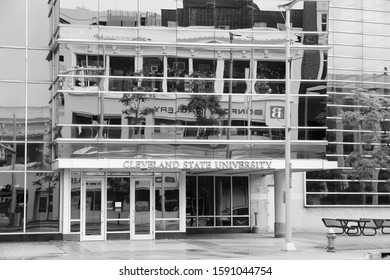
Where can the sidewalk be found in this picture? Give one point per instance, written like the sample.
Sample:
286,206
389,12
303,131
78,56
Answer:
309,246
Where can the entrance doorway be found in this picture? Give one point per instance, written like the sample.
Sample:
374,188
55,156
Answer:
92,209
142,208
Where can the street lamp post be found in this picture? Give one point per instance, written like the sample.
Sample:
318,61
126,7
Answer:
289,245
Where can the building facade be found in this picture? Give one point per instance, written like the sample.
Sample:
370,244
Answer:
138,122
358,59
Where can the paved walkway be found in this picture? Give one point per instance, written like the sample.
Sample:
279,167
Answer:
309,246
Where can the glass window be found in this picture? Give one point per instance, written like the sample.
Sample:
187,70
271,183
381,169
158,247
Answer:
347,199
205,196
38,156
38,66
153,66
118,225
38,113
13,13
231,201
191,206
222,195
89,126
11,202
12,155
40,21
75,195
167,225
240,195
16,58
75,226
118,202
270,70
121,66
43,202
167,202
88,65
240,71
178,68
335,188
167,195
202,70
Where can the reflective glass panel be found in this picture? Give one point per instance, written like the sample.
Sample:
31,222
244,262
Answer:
10,11
93,207
167,225
16,58
38,113
240,196
205,196
118,198
142,207
11,202
75,195
347,199
12,155
43,204
75,226
223,195
118,225
167,195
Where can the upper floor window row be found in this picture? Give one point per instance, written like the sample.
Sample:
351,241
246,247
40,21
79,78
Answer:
173,74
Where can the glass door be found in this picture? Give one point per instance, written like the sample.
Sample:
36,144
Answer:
92,210
142,208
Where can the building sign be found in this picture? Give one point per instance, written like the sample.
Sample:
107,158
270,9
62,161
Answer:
198,164
118,206
277,112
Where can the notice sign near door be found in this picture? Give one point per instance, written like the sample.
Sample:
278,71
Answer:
118,206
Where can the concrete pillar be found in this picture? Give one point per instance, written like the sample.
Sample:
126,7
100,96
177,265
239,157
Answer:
66,201
258,202
183,202
279,225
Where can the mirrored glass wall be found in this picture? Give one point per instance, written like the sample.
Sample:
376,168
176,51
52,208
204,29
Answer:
209,72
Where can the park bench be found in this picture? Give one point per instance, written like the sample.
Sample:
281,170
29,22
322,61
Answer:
334,223
352,227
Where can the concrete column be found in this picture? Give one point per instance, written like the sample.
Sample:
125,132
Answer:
279,225
190,66
165,64
183,200
66,202
258,202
